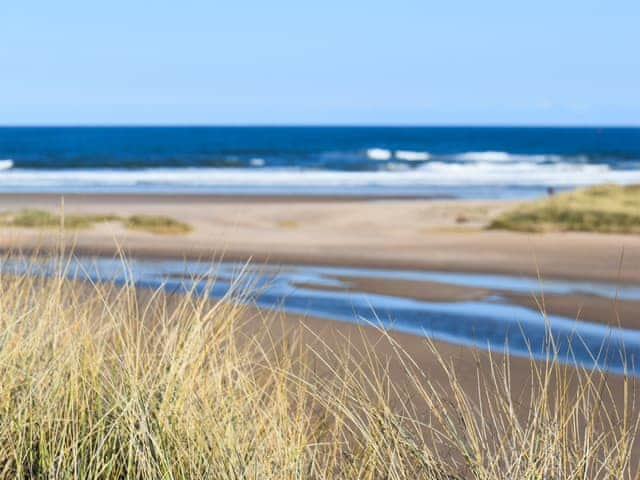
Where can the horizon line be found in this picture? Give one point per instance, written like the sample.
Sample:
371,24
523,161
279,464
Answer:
319,125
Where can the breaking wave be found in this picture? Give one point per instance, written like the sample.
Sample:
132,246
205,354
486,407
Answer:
6,164
379,154
489,156
411,156
505,157
435,173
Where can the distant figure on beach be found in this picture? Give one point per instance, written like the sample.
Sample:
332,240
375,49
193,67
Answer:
551,191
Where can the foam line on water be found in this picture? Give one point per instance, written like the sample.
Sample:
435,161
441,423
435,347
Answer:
432,173
411,156
504,157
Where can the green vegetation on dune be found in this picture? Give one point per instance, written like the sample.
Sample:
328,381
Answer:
603,208
157,224
35,218
30,218
85,221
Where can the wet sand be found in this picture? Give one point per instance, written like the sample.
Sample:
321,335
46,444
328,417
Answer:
396,356
592,308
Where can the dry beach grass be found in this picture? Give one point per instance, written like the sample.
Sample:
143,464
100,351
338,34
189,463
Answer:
107,381
603,208
43,219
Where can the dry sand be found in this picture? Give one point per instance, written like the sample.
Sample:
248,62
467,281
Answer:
385,233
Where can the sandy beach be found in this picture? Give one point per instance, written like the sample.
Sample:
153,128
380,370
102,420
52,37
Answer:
415,233
388,233
395,233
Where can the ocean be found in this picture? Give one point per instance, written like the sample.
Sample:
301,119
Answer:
411,161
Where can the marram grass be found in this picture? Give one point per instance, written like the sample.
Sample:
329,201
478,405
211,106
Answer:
159,224
105,381
602,208
36,218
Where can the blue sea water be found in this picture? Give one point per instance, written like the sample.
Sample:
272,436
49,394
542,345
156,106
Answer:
449,161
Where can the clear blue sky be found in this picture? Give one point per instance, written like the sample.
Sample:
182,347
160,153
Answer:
323,62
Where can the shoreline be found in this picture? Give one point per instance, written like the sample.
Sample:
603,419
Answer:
293,259
199,197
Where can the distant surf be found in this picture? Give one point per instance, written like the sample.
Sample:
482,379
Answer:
504,157
408,155
412,156
381,154
462,162
6,164
429,176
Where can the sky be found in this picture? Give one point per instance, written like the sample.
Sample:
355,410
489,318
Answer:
401,62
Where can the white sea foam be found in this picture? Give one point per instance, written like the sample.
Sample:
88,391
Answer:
397,167
502,157
436,173
411,156
6,164
489,156
257,162
382,154
379,154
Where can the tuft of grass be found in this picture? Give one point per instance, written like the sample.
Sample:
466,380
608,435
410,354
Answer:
157,224
32,218
35,218
104,381
86,221
603,208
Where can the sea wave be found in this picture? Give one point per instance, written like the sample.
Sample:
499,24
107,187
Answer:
412,156
492,156
257,162
6,164
433,173
379,154
505,157
397,167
